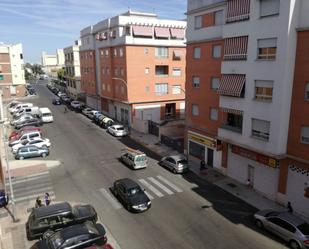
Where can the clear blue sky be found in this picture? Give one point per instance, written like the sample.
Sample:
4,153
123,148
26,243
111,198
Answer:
45,25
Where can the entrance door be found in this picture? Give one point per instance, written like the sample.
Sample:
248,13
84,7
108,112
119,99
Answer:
170,110
210,157
251,175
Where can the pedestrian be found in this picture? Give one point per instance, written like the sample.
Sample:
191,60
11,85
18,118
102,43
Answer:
290,209
47,199
38,202
202,165
65,109
249,185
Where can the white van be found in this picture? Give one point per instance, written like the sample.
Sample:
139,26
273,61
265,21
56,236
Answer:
34,110
46,115
20,106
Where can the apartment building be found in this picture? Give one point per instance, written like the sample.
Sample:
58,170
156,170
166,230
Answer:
51,63
12,78
72,70
246,93
133,68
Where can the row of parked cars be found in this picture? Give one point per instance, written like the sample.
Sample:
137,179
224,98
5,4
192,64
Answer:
27,139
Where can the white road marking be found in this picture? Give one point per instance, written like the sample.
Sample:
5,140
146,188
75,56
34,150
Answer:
149,195
150,187
110,198
30,179
167,182
169,192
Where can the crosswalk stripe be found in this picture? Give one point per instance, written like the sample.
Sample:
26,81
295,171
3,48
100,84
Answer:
28,179
169,192
111,199
167,182
149,195
40,191
32,184
30,176
150,187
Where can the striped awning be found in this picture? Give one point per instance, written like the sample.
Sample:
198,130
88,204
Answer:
232,111
177,33
235,48
162,32
232,84
237,10
143,31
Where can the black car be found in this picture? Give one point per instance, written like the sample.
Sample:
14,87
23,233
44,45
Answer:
31,91
131,195
80,108
56,101
57,216
77,236
31,122
4,199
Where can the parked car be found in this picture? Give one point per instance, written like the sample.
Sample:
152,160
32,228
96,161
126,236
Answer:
75,104
46,115
31,110
26,136
80,108
19,106
31,90
56,101
176,163
134,158
59,94
106,122
4,198
38,142
131,195
92,114
86,110
13,103
63,214
29,151
118,130
289,227
97,117
31,122
76,236
65,99
16,134
21,119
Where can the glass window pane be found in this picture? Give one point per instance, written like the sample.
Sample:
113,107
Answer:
216,51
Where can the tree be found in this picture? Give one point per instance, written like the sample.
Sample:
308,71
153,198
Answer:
61,74
37,69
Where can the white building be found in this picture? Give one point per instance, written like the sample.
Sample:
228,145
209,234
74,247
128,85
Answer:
53,62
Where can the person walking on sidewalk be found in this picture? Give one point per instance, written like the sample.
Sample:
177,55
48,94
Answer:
289,207
202,165
38,202
65,109
47,199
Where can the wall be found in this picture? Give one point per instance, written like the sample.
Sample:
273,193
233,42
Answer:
88,79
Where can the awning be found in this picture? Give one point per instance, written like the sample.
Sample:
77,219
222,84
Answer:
237,10
177,54
235,48
162,32
232,84
232,111
143,31
178,33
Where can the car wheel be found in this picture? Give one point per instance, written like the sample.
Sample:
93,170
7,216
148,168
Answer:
21,158
44,154
174,171
259,224
294,244
128,207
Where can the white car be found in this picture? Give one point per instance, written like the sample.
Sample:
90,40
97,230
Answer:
59,94
91,114
38,142
118,130
86,110
75,104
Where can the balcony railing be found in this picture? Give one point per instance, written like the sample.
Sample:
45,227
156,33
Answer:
231,128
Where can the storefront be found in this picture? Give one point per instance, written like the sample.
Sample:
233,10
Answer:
201,147
261,170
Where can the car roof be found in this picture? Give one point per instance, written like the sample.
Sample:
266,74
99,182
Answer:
293,219
76,230
128,183
52,209
117,126
177,157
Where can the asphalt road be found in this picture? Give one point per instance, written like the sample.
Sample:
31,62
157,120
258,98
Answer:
193,214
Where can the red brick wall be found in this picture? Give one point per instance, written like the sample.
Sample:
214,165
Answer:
88,79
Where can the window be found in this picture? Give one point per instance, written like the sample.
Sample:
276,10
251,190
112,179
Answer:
122,90
103,86
233,122
215,83
106,52
216,51
21,56
213,114
161,88
196,81
147,70
197,53
115,52
103,70
267,49
269,7
121,52
161,52
107,70
108,88
306,92
176,89
162,70
101,52
263,90
195,110
121,71
176,71
128,30
283,224
260,129
219,17
198,22
1,77
305,135
116,71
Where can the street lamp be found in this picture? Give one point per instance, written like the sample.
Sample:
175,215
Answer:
123,81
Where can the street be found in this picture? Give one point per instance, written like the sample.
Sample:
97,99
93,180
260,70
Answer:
186,211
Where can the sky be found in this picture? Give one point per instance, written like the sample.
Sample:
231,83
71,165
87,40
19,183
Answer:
45,25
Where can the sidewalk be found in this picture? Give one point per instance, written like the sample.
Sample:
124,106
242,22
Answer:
228,184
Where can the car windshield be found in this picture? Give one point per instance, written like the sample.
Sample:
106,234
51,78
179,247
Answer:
134,191
55,241
141,158
119,128
304,228
183,161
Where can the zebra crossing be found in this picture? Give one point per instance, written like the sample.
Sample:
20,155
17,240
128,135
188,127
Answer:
155,187
28,188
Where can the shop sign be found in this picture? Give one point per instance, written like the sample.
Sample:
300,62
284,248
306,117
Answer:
210,142
255,156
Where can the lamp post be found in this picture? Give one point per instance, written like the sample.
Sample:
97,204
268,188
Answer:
123,81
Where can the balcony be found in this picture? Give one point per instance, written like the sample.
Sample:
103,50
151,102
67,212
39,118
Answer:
233,120
162,71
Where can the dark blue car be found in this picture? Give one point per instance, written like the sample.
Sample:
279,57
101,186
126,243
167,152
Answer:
4,199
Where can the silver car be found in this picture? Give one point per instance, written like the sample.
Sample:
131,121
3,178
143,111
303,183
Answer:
289,227
177,163
118,130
